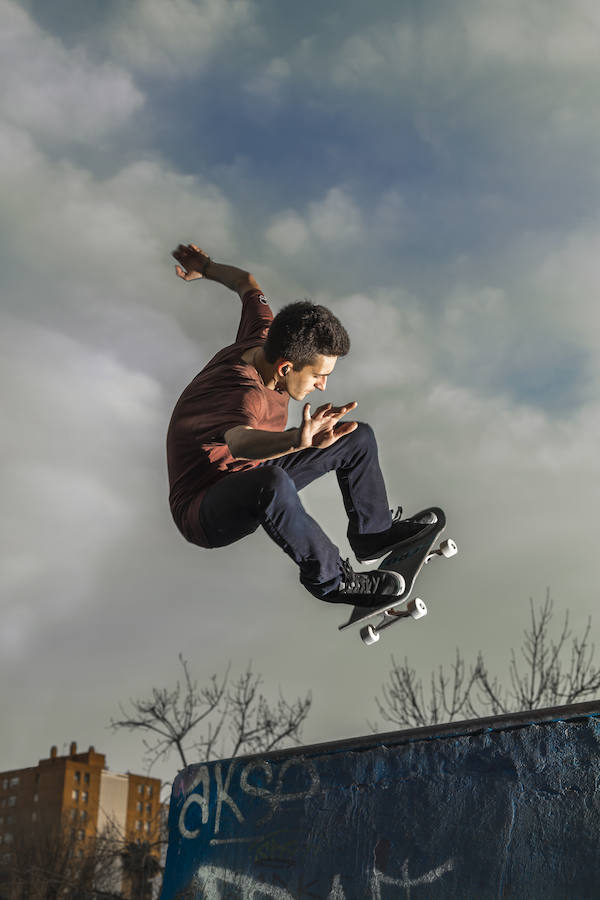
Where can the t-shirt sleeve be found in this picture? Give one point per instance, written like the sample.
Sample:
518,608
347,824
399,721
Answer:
256,317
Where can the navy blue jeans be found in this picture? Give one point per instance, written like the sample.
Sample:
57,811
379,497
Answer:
268,495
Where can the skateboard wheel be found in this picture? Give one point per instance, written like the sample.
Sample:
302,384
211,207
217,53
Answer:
369,635
448,548
417,608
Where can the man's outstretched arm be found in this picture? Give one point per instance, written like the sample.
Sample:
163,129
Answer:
319,431
195,263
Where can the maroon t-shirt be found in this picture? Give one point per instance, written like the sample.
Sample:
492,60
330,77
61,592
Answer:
227,392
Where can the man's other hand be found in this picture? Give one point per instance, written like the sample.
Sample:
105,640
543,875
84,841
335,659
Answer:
193,261
324,427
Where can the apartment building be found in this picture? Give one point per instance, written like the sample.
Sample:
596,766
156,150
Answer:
78,793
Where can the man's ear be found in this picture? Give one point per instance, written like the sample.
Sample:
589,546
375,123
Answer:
283,367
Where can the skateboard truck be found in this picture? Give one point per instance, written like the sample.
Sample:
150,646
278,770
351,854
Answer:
415,609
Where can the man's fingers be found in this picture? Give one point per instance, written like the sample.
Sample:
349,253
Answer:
306,412
339,411
345,428
187,276
322,410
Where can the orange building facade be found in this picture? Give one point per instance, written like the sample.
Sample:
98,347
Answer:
78,793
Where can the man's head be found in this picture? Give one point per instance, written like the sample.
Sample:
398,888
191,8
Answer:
303,343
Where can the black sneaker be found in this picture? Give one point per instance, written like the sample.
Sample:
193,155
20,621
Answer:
369,589
368,548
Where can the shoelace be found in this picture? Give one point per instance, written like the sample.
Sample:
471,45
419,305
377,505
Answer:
359,582
396,516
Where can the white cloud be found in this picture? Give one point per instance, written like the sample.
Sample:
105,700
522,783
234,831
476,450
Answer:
78,434
56,93
336,219
182,36
539,33
288,232
268,85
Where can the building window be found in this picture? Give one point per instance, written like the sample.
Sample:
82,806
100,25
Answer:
149,790
80,835
8,838
84,796
5,784
140,807
10,820
14,781
36,798
147,827
148,809
34,817
77,777
72,814
1,820
83,815
86,778
75,796
139,825
12,801
140,788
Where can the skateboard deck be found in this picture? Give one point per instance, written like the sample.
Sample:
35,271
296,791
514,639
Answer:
407,559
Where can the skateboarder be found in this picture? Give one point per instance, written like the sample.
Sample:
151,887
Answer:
233,466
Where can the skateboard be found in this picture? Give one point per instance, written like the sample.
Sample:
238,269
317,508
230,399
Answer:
406,559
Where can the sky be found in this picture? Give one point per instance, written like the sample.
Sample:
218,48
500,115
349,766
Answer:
430,173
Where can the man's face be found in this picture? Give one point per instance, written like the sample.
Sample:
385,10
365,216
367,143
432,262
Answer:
300,382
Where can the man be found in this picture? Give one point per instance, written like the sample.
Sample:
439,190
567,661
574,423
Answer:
233,465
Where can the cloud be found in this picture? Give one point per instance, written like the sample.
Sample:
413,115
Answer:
549,35
78,429
288,232
181,37
58,94
267,86
335,221
476,365
91,254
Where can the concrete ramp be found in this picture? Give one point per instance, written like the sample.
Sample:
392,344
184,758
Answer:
505,807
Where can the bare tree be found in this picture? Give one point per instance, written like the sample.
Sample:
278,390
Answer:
544,673
140,867
222,718
46,863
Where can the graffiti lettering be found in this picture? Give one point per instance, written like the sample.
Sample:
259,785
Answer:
273,798
215,882
251,789
378,878
223,796
279,796
210,880
196,799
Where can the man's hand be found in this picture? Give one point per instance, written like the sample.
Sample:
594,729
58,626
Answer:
324,428
193,261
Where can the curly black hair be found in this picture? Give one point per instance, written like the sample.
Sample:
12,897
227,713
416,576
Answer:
303,330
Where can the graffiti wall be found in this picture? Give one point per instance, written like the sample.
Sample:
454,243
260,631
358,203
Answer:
504,807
